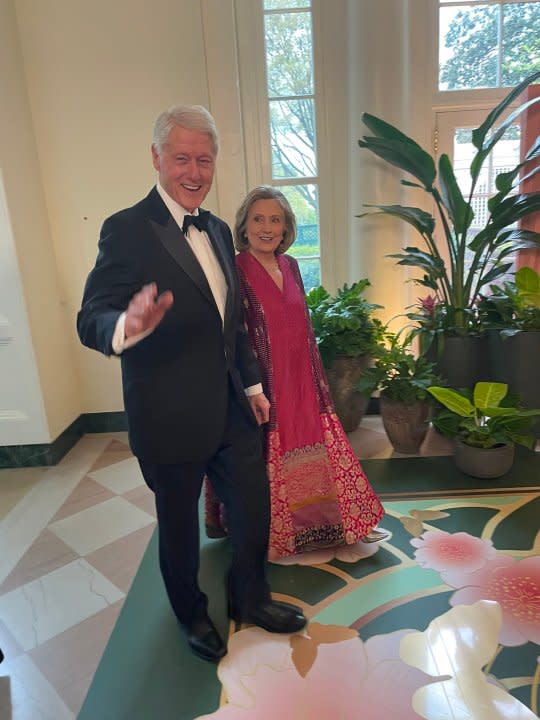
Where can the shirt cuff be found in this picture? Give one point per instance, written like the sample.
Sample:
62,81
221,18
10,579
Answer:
254,389
120,342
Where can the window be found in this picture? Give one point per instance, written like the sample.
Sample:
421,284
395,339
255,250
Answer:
290,97
487,44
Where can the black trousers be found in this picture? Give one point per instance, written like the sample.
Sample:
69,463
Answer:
238,475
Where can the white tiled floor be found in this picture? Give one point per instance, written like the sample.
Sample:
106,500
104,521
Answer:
100,525
45,607
120,477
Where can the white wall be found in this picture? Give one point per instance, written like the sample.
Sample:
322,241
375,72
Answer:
39,391
388,76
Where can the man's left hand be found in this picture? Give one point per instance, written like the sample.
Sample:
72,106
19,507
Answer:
261,407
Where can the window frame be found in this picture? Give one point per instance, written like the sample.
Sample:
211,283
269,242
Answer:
328,71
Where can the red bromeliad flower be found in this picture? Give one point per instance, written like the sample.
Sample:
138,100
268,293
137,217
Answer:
428,305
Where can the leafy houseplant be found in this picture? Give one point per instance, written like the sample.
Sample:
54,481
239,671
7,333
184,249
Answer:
344,324
489,422
403,381
515,306
347,335
476,257
397,373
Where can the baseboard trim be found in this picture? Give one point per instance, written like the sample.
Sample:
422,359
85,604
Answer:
14,456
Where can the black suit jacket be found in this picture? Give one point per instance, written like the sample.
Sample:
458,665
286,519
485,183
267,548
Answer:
176,380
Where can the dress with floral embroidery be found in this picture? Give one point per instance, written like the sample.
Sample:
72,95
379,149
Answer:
319,493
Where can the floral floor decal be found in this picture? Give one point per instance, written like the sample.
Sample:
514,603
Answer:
441,622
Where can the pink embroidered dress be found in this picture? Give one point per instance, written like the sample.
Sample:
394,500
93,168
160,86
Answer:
319,493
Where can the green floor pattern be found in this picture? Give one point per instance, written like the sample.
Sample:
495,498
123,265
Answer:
147,673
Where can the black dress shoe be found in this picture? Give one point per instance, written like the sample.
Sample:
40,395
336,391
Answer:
272,616
204,640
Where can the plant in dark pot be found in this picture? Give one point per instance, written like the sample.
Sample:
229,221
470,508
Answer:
485,427
460,254
511,314
403,380
347,334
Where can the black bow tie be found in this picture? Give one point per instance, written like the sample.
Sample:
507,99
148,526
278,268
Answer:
200,221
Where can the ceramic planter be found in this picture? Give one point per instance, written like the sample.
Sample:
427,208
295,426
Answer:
405,425
515,362
483,462
343,374
463,361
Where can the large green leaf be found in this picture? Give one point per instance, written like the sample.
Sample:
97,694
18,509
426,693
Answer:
514,208
423,259
459,211
407,157
452,400
479,135
495,273
420,219
489,394
527,280
493,139
382,129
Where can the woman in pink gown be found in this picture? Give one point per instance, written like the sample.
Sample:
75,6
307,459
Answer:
319,493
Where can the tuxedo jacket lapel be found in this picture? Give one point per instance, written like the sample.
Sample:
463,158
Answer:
224,260
176,245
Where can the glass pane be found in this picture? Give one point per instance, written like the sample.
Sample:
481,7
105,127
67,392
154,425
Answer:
289,54
521,41
284,4
305,204
311,273
468,47
304,200
292,137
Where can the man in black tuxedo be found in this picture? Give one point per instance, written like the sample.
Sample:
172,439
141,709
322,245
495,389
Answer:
163,295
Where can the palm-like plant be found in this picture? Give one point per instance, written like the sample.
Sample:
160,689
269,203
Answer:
457,286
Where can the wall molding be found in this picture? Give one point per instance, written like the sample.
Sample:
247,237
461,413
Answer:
46,454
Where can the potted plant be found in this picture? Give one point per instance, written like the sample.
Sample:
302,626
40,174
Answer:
347,334
402,380
511,314
485,427
476,256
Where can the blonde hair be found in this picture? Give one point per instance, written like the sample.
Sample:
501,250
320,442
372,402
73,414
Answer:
264,192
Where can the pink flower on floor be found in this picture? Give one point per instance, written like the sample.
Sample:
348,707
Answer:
328,679
453,555
515,585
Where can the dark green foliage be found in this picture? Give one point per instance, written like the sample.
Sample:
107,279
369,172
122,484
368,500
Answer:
344,324
398,373
486,418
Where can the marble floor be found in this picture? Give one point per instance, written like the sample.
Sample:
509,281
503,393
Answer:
72,537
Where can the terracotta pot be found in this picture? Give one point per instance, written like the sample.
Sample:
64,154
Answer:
405,425
343,375
483,462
